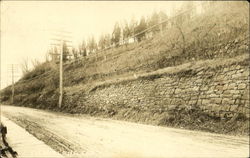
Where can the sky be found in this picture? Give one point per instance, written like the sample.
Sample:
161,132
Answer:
27,27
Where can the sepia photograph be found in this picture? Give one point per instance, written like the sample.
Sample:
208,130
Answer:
124,79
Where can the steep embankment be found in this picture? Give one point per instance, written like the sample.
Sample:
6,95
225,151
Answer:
194,76
210,95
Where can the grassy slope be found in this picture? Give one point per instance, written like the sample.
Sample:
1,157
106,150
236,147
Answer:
208,39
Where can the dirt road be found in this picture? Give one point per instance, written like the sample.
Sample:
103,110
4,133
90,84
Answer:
78,135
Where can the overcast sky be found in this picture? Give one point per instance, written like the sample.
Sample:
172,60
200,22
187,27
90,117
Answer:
27,26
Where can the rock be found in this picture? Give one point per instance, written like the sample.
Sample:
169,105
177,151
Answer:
216,100
238,76
233,107
213,95
242,86
205,101
228,101
232,86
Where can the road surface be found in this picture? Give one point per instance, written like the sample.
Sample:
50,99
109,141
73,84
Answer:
80,135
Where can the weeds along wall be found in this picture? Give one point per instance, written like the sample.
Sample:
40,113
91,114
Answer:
220,91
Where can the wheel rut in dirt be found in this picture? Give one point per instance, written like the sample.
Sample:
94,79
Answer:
55,141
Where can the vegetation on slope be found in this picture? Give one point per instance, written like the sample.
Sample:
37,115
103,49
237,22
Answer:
216,34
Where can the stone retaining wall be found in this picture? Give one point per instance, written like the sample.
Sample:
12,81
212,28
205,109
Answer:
221,91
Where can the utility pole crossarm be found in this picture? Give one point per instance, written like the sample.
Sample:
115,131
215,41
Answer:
60,40
59,44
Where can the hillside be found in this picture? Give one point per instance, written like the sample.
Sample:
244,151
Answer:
211,42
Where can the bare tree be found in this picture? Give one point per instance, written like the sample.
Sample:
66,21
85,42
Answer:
116,35
35,63
82,49
101,43
75,53
91,45
25,66
107,40
47,55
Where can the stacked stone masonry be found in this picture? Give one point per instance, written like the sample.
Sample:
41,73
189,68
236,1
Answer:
221,91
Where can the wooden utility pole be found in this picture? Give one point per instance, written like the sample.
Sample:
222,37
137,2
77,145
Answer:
61,40
12,71
13,88
61,76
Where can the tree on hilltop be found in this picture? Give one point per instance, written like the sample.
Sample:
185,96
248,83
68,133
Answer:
83,48
75,53
140,28
107,40
163,19
132,27
116,35
65,51
101,43
126,32
92,46
154,20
